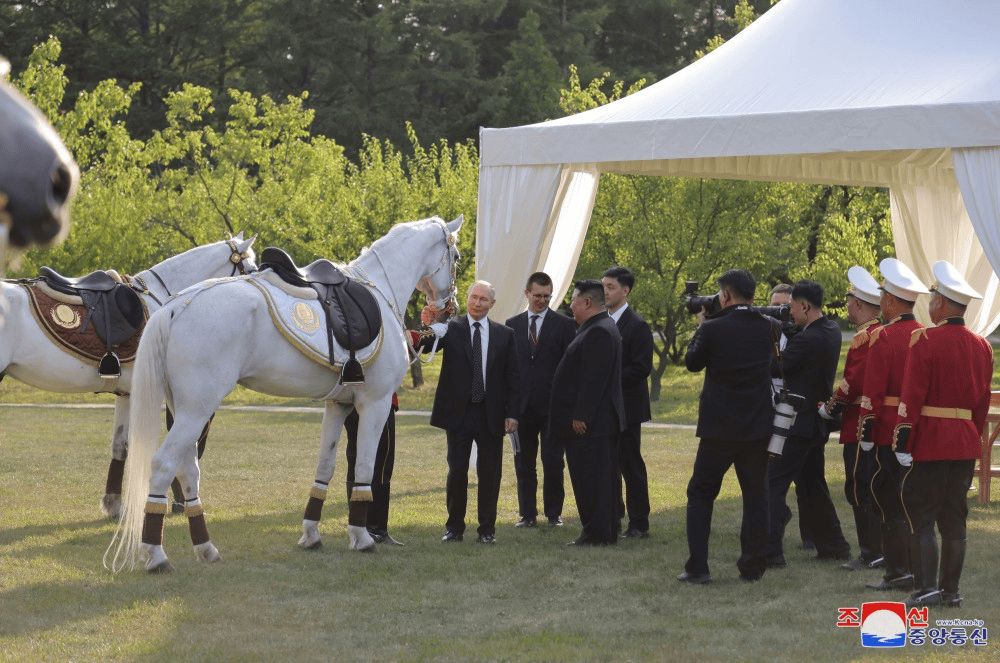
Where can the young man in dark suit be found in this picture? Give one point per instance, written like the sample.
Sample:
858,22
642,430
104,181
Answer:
735,420
541,337
587,413
637,364
809,365
477,398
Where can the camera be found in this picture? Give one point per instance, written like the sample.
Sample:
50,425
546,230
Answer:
786,408
696,302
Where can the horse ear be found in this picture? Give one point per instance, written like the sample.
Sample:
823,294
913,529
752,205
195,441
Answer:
456,224
238,238
247,243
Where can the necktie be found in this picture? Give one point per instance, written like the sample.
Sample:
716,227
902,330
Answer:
478,386
534,334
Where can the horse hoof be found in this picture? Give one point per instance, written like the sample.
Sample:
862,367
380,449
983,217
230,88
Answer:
207,552
162,567
316,545
368,549
111,505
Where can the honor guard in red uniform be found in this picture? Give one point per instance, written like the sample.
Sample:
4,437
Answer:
859,465
887,352
942,411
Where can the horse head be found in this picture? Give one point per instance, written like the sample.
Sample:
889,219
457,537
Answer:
439,285
38,177
243,256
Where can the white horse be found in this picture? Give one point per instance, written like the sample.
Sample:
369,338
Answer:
29,355
38,177
200,346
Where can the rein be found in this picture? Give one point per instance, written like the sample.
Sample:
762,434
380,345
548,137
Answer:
236,259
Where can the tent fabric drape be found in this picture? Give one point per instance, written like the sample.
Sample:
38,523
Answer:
541,215
977,171
930,223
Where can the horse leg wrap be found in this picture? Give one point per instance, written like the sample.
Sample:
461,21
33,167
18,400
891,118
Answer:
317,495
196,521
115,473
357,514
152,524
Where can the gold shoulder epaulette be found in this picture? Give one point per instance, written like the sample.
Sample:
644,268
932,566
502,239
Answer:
917,335
860,339
874,335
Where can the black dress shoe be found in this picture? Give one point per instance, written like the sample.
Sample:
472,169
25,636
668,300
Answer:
951,600
904,583
751,578
921,599
486,538
695,579
385,537
555,521
451,536
633,533
527,522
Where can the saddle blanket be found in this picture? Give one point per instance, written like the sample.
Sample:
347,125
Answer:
298,314
61,317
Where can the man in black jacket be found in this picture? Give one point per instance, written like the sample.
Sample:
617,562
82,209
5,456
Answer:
735,417
637,364
587,413
809,362
541,337
476,400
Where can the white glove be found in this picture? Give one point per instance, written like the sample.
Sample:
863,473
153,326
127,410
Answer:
867,446
904,459
823,413
440,329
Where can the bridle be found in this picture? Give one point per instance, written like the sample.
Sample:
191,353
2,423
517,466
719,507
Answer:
236,258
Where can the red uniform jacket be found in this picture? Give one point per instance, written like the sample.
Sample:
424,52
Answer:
847,398
884,379
948,367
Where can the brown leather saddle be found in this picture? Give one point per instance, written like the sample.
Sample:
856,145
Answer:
114,308
353,317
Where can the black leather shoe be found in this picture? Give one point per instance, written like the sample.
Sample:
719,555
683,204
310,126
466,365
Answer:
633,533
385,537
904,583
695,579
923,598
527,522
555,522
451,536
751,578
775,562
486,538
951,600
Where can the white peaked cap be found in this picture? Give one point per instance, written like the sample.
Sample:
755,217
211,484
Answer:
863,285
901,281
951,284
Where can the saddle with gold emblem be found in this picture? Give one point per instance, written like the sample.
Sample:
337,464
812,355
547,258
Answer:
350,310
98,317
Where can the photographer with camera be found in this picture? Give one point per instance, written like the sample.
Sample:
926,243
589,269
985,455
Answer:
734,347
809,366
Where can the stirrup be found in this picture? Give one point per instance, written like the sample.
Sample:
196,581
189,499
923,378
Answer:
352,375
110,368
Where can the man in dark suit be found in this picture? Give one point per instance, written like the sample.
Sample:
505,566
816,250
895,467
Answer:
477,398
587,413
809,366
735,419
541,337
637,364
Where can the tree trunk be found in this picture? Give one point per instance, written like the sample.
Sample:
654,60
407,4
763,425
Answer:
417,373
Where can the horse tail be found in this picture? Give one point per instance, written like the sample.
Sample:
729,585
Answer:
149,388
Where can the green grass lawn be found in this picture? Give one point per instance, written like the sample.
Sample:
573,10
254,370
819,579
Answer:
527,598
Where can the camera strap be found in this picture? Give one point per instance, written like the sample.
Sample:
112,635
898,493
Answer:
776,341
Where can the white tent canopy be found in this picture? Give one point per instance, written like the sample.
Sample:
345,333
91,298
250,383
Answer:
896,93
